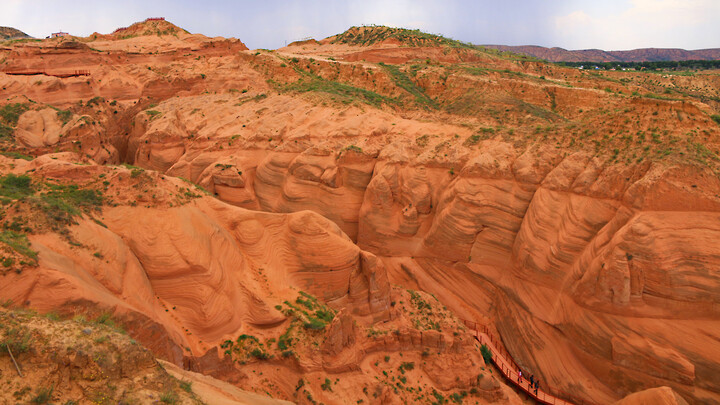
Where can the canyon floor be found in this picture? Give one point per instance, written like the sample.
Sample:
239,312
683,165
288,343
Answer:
185,220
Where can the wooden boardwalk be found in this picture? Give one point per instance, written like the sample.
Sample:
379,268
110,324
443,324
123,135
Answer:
509,369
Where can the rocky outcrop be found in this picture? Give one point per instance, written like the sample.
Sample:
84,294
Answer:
38,128
660,396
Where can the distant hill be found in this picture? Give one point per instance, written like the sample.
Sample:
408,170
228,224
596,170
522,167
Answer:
11,33
370,35
151,26
598,55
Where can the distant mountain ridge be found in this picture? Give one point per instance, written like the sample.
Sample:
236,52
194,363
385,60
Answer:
598,55
11,33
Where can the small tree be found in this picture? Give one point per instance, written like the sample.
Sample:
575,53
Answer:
486,353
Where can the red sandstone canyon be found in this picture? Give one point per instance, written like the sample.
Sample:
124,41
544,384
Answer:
357,219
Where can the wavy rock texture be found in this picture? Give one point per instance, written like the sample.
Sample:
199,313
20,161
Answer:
192,273
586,255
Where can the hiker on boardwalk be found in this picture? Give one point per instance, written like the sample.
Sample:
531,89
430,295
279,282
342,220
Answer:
519,377
537,385
532,379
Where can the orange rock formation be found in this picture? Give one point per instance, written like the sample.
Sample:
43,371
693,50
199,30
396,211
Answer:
575,213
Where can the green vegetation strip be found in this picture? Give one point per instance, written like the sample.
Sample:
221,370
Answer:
346,93
401,80
60,205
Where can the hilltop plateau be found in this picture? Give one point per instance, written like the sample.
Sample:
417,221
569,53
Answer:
316,223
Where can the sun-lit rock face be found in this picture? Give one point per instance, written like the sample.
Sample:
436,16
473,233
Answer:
660,396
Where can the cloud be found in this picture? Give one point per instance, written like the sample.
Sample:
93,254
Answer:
644,23
573,24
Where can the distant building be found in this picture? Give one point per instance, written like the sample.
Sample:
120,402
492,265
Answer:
58,34
155,19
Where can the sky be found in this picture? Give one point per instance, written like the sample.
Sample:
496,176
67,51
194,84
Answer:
569,24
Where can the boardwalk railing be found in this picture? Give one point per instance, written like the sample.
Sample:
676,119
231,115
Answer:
509,369
43,72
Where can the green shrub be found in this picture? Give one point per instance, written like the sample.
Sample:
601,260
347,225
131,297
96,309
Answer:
186,386
43,395
95,101
457,398
259,354
486,354
169,397
327,385
15,187
716,118
18,339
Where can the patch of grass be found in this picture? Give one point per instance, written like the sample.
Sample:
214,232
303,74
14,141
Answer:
17,338
285,341
422,140
153,114
62,203
186,386
659,97
10,113
345,93
6,132
354,148
106,319
314,324
16,187
64,116
17,155
18,242
169,397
